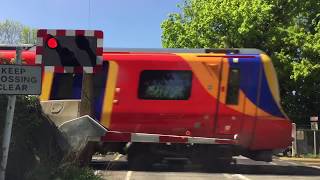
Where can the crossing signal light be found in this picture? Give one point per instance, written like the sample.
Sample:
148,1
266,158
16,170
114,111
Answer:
70,51
52,43
74,48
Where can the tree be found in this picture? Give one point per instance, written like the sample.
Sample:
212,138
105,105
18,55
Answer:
28,35
289,31
12,32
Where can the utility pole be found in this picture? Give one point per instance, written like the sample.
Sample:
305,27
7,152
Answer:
86,105
87,108
314,144
294,142
8,124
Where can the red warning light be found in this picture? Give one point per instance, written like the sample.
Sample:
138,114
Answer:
52,43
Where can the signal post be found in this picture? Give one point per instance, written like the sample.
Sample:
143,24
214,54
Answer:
74,51
314,128
13,88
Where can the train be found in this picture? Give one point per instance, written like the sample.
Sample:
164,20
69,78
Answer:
205,105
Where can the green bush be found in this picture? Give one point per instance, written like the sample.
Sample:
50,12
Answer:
309,155
34,152
66,172
75,173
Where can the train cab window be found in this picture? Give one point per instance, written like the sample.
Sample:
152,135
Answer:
165,84
233,87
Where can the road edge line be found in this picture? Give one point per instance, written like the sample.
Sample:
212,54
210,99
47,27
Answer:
128,176
240,176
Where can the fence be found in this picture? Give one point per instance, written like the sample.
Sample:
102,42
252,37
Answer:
307,142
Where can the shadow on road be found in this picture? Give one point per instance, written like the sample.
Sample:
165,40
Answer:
235,169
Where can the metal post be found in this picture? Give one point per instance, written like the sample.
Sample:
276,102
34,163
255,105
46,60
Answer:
86,105
8,125
294,142
86,108
314,144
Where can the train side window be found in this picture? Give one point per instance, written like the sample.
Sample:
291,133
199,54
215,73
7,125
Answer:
99,81
233,87
165,84
69,85
66,86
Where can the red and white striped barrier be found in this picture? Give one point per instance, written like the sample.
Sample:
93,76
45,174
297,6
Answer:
115,136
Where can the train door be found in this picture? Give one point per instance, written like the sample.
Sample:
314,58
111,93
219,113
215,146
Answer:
211,77
229,116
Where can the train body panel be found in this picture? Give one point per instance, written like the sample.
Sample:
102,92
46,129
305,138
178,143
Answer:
210,95
192,115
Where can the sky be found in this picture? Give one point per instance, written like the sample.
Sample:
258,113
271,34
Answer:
125,23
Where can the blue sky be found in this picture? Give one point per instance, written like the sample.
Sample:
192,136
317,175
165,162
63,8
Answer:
126,23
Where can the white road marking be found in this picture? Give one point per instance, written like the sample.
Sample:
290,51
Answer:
117,157
318,167
292,163
273,163
242,177
228,176
97,158
128,176
241,157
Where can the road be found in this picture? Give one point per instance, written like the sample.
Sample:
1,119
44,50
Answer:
114,167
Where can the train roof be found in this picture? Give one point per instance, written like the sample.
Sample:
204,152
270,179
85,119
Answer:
186,50
14,47
239,51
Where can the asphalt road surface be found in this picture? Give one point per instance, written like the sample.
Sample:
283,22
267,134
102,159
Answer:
114,167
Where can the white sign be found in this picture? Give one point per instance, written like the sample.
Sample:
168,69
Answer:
314,118
300,135
314,126
20,79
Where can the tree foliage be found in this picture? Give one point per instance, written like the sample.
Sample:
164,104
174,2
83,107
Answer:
12,32
28,35
287,30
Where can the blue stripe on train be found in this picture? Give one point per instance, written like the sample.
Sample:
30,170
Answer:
267,101
77,85
249,81
98,101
